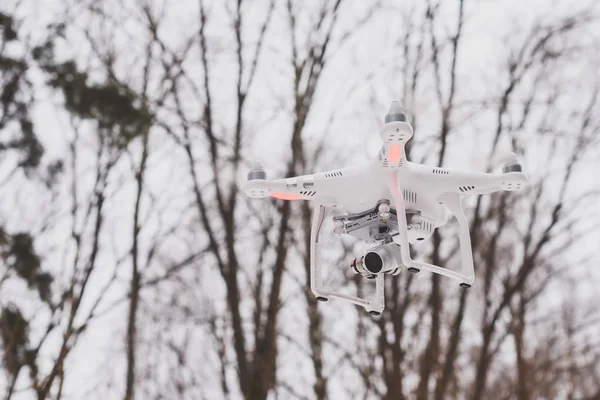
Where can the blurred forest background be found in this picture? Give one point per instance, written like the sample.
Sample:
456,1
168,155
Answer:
131,265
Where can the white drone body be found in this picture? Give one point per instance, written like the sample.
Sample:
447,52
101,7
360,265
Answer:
390,202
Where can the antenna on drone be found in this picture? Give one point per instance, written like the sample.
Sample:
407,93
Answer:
395,113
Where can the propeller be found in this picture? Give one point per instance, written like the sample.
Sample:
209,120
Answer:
257,171
510,162
396,113
507,158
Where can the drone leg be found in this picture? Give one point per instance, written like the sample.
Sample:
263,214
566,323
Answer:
379,303
402,238
452,201
316,282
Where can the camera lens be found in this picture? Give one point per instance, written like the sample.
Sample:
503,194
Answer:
373,262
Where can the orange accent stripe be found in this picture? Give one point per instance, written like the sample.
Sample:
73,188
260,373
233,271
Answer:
286,196
394,153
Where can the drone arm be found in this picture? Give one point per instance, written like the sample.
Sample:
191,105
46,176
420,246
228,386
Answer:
316,282
466,182
452,201
284,189
320,187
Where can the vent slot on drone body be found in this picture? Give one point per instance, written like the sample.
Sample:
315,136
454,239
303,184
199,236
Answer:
333,174
410,196
440,171
308,193
466,188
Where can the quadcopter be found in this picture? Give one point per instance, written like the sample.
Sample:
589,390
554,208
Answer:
390,202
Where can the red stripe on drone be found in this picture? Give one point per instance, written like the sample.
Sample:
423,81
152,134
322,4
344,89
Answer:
394,153
286,196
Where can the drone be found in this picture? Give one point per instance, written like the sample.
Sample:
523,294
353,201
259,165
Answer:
390,202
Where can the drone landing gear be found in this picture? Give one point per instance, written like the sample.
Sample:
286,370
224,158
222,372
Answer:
374,305
452,201
323,299
414,270
465,285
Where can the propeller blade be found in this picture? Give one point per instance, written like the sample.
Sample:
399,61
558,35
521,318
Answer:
507,158
256,171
